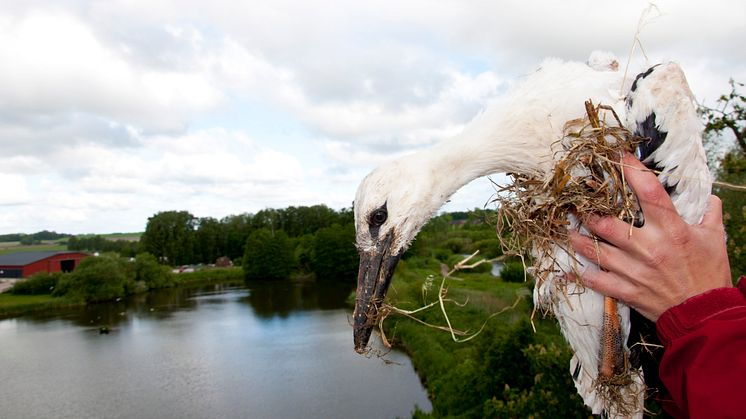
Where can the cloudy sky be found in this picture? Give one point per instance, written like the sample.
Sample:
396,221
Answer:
113,110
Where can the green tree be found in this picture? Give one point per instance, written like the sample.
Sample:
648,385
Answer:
513,272
209,239
334,255
96,243
170,237
728,116
303,252
154,275
28,240
236,229
268,218
268,255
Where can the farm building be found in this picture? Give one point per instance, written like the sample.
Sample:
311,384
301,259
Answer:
24,264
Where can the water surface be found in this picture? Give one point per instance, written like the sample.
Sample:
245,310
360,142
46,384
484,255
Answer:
273,350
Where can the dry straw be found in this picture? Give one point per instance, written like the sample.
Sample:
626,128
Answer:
457,335
588,179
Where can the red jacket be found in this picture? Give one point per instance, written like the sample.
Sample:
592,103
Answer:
704,363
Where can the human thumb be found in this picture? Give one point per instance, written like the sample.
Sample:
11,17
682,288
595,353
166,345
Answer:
713,216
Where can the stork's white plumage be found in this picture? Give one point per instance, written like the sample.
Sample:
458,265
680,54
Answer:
519,135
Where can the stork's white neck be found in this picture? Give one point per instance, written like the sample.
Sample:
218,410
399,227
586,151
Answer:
481,151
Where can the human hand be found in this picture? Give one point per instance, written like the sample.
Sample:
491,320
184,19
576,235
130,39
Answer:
661,264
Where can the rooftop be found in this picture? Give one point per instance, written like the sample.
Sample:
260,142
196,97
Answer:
25,258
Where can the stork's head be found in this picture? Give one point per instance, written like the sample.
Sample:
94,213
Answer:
392,203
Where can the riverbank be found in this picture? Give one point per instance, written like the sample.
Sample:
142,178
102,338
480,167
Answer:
17,305
508,370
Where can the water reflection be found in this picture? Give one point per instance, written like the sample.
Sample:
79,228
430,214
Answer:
274,349
269,299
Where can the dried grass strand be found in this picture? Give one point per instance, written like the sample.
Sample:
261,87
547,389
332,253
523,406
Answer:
458,336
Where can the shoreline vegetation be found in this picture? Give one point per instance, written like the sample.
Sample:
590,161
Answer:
506,371
14,305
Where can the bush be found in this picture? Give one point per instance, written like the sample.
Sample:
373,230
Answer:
334,255
512,272
547,396
100,278
442,255
151,273
37,284
267,255
510,376
458,245
489,248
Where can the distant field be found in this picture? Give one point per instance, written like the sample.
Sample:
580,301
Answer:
15,247
130,237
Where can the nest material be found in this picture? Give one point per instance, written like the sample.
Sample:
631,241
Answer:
587,179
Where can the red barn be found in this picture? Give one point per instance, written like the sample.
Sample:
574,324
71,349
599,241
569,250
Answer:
24,264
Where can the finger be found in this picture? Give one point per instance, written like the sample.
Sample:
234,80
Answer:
603,254
570,276
654,200
713,216
611,230
609,284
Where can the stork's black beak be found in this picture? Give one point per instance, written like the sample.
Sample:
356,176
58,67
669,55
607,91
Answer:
373,279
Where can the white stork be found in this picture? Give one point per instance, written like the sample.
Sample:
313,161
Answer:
519,135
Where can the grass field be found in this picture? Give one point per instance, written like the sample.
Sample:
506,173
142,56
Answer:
14,247
130,237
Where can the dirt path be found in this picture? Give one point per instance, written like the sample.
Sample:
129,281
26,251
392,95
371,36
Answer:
6,284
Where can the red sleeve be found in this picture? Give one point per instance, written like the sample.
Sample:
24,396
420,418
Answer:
704,363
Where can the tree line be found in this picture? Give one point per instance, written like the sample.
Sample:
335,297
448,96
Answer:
179,237
32,238
271,244
97,243
280,243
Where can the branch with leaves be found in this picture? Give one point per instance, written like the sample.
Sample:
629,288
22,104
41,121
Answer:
728,115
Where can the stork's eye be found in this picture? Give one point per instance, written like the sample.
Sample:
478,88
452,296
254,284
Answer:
378,217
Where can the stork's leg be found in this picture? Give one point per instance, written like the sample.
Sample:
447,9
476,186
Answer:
611,359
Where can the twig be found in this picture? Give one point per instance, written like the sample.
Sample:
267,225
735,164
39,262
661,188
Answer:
386,310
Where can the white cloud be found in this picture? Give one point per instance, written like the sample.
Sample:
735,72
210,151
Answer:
15,190
103,105
55,64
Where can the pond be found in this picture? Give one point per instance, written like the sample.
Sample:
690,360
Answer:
271,350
